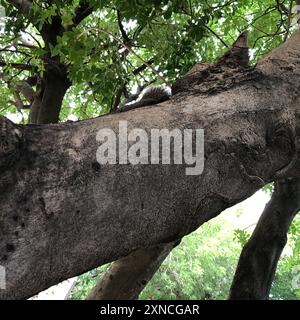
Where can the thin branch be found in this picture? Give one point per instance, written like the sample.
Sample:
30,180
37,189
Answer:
15,51
34,38
282,7
142,67
5,108
125,37
217,36
135,54
20,66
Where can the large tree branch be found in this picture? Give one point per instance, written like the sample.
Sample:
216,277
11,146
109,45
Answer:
67,214
259,258
128,276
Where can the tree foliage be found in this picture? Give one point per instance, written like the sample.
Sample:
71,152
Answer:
104,43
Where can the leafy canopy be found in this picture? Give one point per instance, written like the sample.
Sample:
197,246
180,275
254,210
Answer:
94,37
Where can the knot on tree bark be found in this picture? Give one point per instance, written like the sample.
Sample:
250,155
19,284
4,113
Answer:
10,140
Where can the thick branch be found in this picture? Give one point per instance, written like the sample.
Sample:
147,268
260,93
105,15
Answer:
67,214
128,276
259,258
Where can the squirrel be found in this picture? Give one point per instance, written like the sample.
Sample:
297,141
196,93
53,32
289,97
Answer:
200,74
150,96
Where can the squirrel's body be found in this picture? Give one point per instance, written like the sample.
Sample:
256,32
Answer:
204,77
150,96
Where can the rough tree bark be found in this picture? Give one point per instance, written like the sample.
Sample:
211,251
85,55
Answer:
61,213
125,276
259,258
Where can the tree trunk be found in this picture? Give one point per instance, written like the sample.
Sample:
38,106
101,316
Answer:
259,258
37,102
128,276
66,214
50,92
56,84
